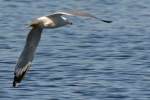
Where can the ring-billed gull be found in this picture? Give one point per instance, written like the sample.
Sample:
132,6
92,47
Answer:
51,21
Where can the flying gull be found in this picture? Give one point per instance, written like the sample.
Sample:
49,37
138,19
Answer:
51,21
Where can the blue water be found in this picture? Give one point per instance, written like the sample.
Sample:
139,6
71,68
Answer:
89,60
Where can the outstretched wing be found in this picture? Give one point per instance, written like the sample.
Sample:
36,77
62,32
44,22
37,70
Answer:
26,57
78,13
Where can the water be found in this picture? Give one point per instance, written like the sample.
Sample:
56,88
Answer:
89,60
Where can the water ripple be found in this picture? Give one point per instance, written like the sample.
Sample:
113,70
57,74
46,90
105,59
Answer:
89,60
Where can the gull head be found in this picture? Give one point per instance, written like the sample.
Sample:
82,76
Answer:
66,21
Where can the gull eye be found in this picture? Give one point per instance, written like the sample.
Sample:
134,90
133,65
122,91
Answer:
70,23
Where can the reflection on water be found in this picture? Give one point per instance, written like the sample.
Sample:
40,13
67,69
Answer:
89,60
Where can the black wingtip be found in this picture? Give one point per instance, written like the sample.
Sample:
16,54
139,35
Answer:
107,21
14,84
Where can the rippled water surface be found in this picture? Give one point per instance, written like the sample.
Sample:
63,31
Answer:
89,60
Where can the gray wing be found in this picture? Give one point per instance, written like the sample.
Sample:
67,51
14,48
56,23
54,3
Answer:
75,13
78,13
26,57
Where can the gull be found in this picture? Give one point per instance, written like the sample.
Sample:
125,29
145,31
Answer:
54,20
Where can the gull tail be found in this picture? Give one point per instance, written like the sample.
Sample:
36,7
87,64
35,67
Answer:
20,73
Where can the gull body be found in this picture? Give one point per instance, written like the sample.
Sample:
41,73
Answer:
51,21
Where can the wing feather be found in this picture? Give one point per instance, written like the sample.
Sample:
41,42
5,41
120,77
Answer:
78,13
26,57
74,13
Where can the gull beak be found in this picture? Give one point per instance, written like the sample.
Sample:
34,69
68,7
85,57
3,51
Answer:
69,23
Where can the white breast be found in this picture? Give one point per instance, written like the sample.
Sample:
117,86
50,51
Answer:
46,21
